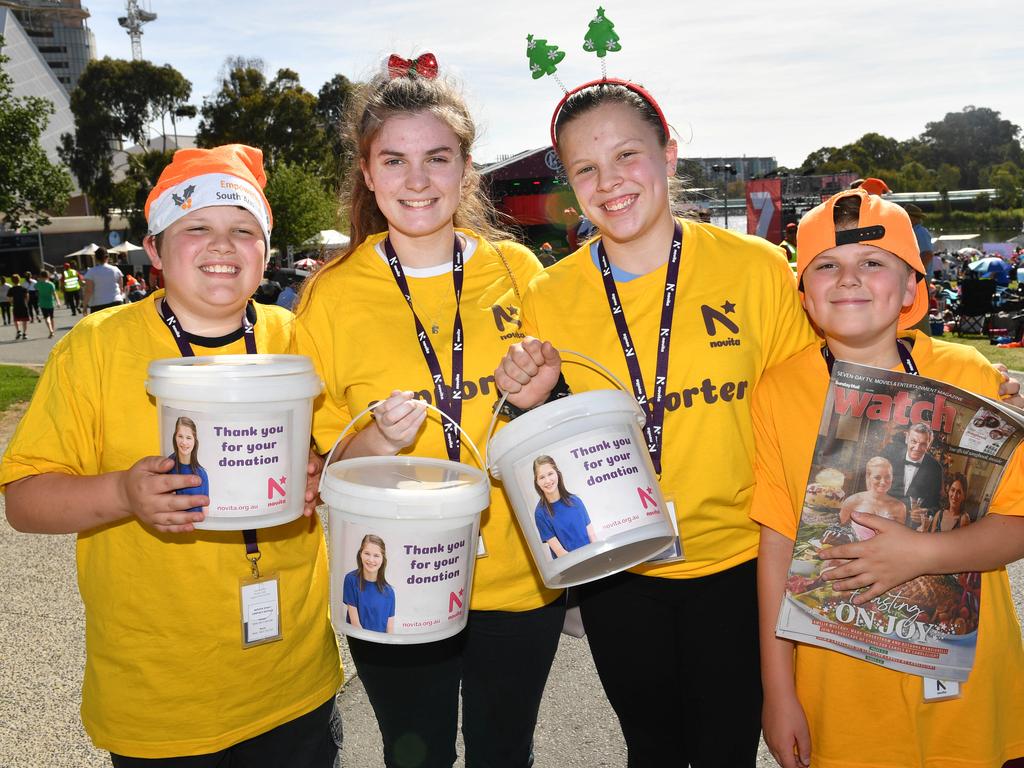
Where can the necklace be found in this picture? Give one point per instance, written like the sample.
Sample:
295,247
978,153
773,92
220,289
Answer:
435,316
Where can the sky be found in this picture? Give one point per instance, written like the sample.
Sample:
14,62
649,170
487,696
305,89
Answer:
749,77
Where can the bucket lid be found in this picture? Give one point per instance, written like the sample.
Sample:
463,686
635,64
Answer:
230,366
233,378
405,487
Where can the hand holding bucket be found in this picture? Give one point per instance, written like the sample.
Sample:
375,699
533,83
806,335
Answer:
603,511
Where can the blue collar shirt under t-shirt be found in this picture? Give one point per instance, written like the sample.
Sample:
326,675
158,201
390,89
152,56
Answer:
568,523
374,607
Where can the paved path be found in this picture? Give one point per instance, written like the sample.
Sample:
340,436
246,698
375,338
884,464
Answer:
42,636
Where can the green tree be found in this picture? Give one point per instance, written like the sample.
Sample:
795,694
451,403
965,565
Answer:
301,204
116,101
1007,179
279,117
140,176
332,105
972,139
30,185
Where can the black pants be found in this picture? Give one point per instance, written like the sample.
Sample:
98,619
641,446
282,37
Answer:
5,308
310,741
33,305
502,658
71,298
692,643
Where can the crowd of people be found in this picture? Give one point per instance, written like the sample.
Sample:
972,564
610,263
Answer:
430,295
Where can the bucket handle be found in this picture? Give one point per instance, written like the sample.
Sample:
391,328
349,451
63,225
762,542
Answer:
497,408
367,409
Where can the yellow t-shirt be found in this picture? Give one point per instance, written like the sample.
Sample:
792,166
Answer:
736,312
860,714
165,671
359,331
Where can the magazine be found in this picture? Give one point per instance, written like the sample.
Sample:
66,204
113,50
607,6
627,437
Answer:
917,451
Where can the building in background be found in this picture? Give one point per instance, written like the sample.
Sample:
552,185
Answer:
59,32
746,167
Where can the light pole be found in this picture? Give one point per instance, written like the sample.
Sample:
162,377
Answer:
727,170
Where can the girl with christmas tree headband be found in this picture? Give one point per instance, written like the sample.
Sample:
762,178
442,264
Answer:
427,287
691,315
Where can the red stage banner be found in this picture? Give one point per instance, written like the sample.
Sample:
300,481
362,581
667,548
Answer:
764,209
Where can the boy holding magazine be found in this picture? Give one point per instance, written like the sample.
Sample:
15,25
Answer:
862,284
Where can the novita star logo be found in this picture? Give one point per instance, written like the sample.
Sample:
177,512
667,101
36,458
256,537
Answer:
716,319
185,201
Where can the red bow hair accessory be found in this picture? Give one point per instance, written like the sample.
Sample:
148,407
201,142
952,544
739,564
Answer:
424,65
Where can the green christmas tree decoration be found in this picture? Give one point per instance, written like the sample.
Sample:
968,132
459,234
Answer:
601,38
543,58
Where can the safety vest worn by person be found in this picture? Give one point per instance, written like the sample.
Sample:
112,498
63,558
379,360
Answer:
790,250
71,280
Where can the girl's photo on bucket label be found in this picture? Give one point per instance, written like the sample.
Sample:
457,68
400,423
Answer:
368,598
185,453
563,523
398,581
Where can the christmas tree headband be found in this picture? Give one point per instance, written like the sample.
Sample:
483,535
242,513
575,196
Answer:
600,39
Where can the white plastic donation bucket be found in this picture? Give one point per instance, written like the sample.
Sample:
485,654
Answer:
418,521
610,513
242,423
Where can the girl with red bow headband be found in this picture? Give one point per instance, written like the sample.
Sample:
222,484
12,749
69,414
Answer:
426,265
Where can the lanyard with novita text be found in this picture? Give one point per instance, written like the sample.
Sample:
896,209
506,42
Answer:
252,549
654,409
905,357
449,399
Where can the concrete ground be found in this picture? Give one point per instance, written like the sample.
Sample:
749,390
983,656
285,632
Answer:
42,636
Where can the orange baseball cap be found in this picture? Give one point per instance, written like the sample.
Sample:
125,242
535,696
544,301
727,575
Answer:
872,186
231,174
882,224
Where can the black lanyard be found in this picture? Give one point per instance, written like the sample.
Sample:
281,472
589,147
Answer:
252,548
171,321
449,400
905,357
655,410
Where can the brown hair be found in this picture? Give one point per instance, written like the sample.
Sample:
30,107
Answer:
193,459
599,94
846,213
382,583
376,102
563,493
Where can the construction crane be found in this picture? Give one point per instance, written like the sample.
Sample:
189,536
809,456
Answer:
133,21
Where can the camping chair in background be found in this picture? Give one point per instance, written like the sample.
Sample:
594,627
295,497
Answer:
975,302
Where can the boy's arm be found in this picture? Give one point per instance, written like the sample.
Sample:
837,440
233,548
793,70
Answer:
55,502
783,720
897,554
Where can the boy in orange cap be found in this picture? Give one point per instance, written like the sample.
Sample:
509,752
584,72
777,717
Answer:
166,675
862,285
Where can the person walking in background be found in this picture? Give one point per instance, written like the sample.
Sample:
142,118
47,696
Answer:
71,287
33,298
46,293
19,307
5,300
104,284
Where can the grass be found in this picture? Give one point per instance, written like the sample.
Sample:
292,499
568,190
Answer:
16,385
1011,358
